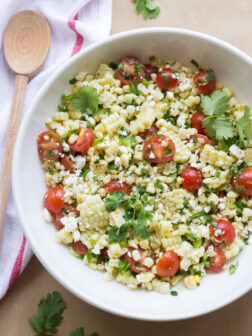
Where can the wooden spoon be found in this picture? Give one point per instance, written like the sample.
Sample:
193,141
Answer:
26,45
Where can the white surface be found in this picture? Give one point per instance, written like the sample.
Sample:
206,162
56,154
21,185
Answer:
233,68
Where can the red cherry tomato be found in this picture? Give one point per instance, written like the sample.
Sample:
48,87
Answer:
54,199
200,139
84,141
217,262
149,70
57,218
115,185
80,248
226,228
130,69
49,145
192,178
166,79
243,183
168,264
159,149
146,134
205,81
67,163
103,257
222,194
196,122
137,266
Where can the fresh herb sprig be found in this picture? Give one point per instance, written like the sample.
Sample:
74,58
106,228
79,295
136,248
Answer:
86,101
219,125
147,8
136,217
49,317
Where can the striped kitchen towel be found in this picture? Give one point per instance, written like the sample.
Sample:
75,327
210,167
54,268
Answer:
74,24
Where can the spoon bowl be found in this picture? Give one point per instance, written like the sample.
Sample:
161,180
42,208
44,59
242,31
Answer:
26,42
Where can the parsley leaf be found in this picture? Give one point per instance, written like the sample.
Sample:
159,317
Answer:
49,316
135,214
148,8
216,104
119,234
219,128
244,125
114,200
86,101
78,332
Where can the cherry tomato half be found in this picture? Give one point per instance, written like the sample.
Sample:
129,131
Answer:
217,262
196,122
80,248
192,178
57,218
115,185
159,149
149,70
243,183
166,79
200,140
137,266
226,228
84,141
67,163
130,69
49,145
54,199
144,135
205,81
168,264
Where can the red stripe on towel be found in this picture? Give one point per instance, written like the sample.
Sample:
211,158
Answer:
79,38
18,264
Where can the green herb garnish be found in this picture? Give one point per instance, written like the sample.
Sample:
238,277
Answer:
233,268
86,101
148,8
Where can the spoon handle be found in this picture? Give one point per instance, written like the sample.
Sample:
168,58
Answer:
14,121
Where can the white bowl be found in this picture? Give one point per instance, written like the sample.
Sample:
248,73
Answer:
233,68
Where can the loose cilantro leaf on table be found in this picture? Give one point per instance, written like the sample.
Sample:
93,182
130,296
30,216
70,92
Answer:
148,8
86,101
78,332
49,316
218,123
50,310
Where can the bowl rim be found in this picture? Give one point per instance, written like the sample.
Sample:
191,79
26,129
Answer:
99,304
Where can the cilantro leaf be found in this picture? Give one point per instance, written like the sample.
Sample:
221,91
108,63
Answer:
135,214
77,332
216,104
86,101
218,128
49,316
141,230
244,125
148,8
114,200
119,234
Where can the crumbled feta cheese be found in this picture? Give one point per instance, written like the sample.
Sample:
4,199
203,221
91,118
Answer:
70,223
